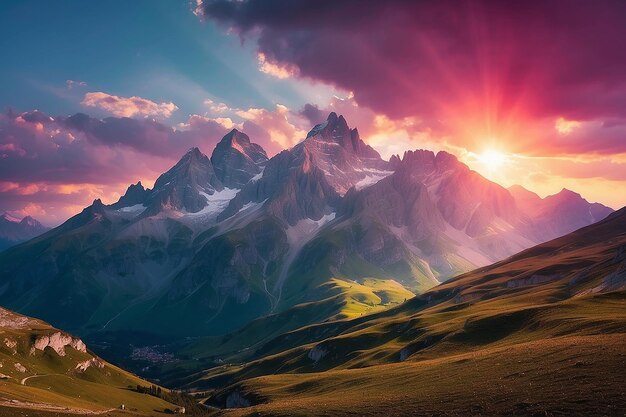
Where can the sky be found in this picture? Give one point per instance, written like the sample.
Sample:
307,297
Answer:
97,95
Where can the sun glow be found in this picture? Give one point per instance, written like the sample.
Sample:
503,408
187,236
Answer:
492,159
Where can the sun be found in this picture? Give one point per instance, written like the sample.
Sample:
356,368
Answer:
492,159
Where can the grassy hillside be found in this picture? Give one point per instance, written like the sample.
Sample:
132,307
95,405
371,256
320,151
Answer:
565,376
61,377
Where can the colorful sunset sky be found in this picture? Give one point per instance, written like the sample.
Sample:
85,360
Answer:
97,95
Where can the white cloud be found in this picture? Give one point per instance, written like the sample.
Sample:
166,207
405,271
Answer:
274,69
128,106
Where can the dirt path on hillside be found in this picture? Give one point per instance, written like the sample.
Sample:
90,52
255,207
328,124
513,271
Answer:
51,407
23,381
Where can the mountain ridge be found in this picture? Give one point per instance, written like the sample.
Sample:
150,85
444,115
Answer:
325,212
14,230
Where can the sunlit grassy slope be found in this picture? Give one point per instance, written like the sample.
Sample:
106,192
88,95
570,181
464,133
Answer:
565,376
367,296
40,382
541,332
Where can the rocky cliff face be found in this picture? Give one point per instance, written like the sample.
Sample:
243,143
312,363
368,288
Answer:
58,342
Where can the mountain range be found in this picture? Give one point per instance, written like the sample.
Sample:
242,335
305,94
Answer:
14,230
225,240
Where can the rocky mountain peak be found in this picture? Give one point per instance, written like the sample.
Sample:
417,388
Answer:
184,185
446,161
29,221
9,218
394,162
235,139
193,153
335,130
14,230
236,160
26,222
194,167
565,195
135,194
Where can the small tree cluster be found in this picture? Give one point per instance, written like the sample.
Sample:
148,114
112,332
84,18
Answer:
175,397
152,390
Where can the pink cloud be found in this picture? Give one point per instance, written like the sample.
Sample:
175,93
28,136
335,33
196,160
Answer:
278,70
129,106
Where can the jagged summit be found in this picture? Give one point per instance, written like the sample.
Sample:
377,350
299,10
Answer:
234,138
135,194
333,124
185,186
236,160
193,153
335,130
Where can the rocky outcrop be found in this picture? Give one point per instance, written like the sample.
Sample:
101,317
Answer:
58,342
14,321
93,362
11,344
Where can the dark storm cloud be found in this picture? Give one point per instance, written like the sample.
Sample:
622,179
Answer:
428,58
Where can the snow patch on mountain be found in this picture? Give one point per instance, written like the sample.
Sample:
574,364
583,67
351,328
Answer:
298,236
372,176
257,176
216,203
135,209
306,229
